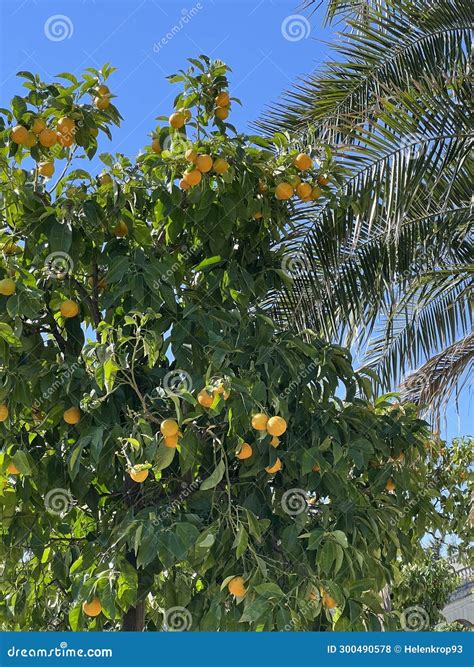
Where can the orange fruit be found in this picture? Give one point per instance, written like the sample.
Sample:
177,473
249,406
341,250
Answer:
328,601
7,287
245,452
275,441
222,113
316,468
316,193
275,467
220,389
191,155
192,177
177,120
31,140
259,421
38,125
102,103
390,485
3,412
169,427
66,125
303,162
171,441
105,179
236,586
12,469
72,416
69,308
323,179
186,113
138,475
303,190
155,145
221,165
47,138
121,229
258,215
204,399
46,168
19,134
222,100
65,140
204,163
284,191
102,90
183,185
92,608
276,426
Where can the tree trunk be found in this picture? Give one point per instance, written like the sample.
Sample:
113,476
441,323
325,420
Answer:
134,618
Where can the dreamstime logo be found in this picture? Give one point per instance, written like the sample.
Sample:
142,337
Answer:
177,619
294,502
295,263
58,265
175,504
176,144
295,27
415,619
186,16
58,501
177,380
58,27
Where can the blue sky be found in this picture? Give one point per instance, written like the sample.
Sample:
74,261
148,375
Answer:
267,43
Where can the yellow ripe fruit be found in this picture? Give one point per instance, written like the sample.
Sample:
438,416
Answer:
245,452
66,125
186,113
92,608
275,467
303,190
192,177
69,308
259,421
284,191
171,441
236,586
316,468
177,120
121,229
221,112
31,140
258,215
7,287
38,125
169,427
3,412
65,140
390,485
138,475
72,416
19,134
221,165
323,179
12,469
155,145
47,138
275,441
105,179
102,103
204,399
183,185
204,163
191,155
222,100
46,168
276,426
303,162
328,601
102,90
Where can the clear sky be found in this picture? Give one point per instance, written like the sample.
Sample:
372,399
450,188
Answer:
267,43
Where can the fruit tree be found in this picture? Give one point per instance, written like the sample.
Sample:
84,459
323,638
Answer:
171,456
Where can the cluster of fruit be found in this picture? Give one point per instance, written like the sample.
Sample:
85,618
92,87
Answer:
305,190
201,164
274,426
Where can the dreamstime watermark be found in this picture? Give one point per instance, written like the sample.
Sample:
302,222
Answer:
305,371
177,619
58,265
176,503
293,502
58,502
57,384
176,381
61,651
295,263
415,619
185,18
177,144
58,27
187,253
295,27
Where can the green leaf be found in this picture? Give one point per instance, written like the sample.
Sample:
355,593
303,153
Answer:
20,459
164,456
214,479
241,541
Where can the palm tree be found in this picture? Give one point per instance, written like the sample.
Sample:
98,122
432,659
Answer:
389,270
